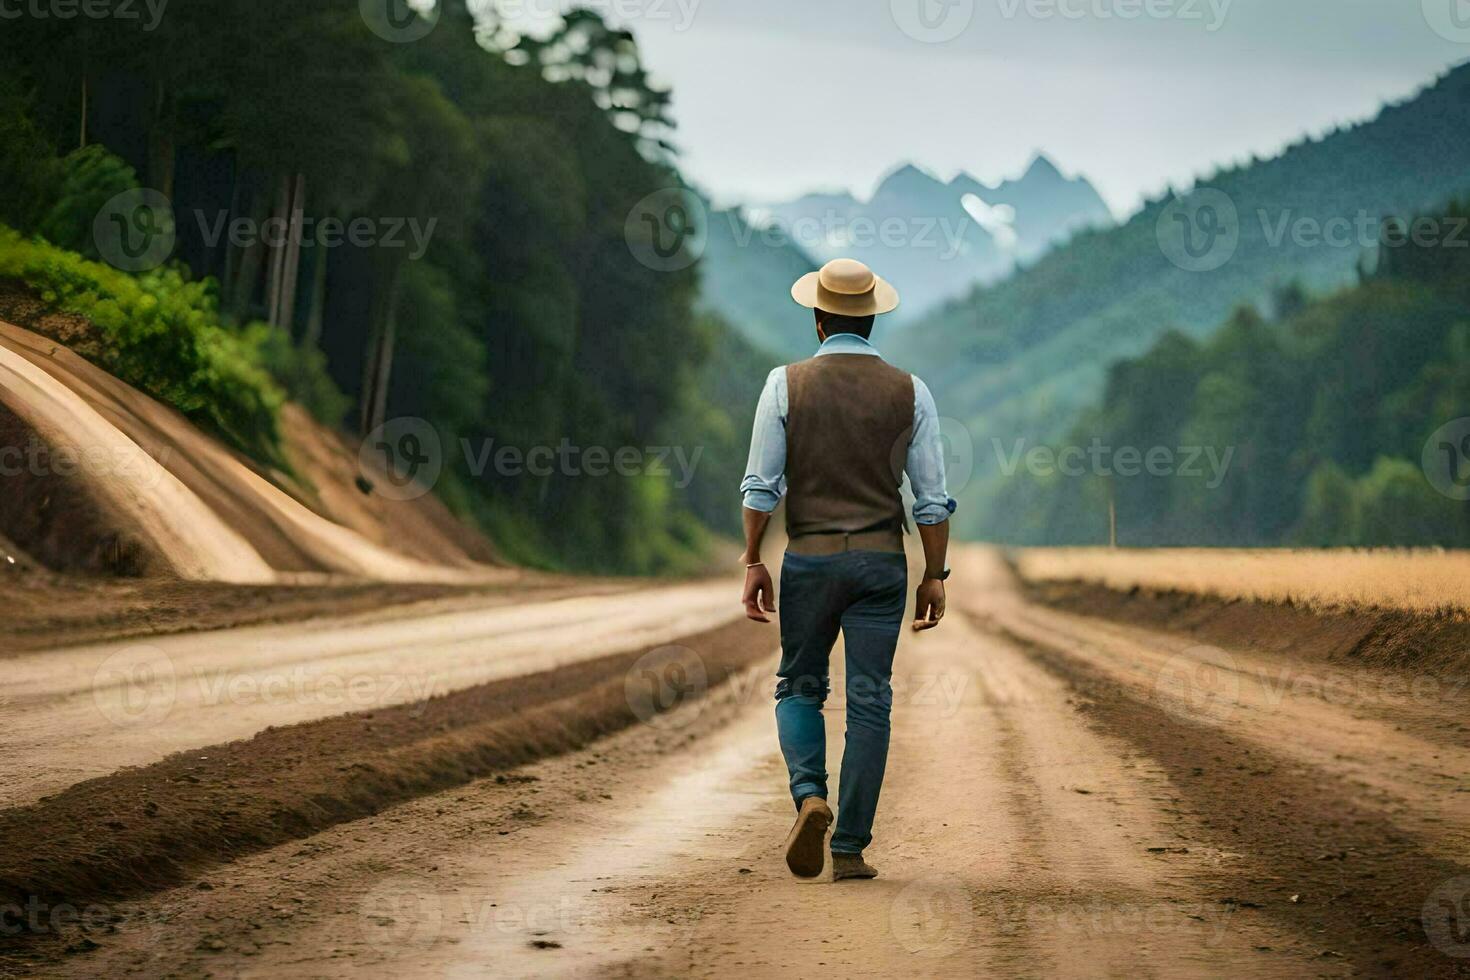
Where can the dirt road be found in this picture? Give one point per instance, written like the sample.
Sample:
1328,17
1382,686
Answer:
1066,797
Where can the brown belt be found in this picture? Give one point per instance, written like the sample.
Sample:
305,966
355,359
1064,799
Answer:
886,539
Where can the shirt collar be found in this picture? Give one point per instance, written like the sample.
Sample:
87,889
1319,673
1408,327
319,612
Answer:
847,343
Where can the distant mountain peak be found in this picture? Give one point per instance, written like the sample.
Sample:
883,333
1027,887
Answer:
958,231
827,197
1042,168
965,182
907,175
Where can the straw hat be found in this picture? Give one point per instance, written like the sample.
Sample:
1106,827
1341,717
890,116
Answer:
846,287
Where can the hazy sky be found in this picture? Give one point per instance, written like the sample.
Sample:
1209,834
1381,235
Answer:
777,97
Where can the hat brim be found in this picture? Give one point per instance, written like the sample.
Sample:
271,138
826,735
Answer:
882,298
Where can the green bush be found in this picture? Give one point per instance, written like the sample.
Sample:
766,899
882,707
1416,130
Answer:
90,177
302,371
162,334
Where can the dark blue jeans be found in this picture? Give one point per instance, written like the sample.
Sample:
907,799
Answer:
861,593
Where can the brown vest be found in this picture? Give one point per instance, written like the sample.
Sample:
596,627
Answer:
848,424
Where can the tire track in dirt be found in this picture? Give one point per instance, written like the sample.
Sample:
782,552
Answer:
396,886
142,829
1417,782
1341,827
87,711
1317,857
1383,732
993,862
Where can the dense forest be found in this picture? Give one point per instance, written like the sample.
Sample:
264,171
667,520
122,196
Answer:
494,294
1022,358
1321,416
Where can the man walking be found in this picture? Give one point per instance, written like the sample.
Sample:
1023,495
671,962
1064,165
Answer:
835,434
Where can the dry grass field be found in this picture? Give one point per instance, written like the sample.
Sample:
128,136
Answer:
1420,581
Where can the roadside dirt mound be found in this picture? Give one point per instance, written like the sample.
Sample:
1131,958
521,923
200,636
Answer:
154,495
1438,644
328,465
1422,581
84,496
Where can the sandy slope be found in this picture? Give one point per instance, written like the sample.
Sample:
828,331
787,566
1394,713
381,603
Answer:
136,490
199,509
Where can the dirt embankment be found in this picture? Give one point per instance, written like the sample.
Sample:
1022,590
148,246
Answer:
1423,581
101,478
1435,643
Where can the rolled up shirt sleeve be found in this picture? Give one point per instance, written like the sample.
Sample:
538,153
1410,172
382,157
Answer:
925,467
765,470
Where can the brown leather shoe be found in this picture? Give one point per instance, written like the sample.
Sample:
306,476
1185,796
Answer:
805,845
851,866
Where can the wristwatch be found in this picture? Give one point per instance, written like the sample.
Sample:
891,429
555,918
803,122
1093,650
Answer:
942,577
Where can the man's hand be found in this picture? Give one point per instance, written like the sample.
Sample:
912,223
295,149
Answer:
759,595
928,604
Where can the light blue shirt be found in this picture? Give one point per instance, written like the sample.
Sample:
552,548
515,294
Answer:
765,473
